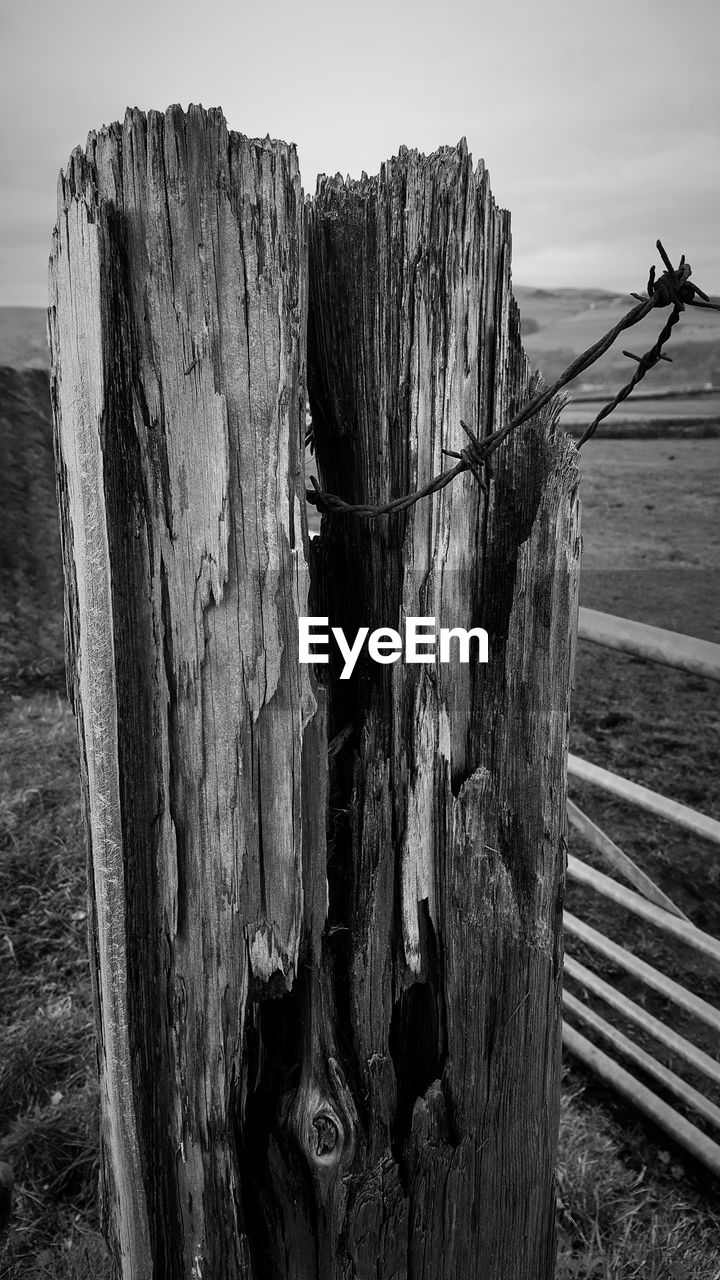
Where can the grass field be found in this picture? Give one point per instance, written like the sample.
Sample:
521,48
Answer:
629,1203
651,552
48,1091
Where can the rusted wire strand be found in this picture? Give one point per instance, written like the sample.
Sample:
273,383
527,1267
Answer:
672,288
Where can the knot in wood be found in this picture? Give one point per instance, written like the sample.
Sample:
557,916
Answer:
327,1135
322,1134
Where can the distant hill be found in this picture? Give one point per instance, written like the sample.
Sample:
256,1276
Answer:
557,324
23,340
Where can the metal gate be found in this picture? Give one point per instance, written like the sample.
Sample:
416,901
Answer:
646,901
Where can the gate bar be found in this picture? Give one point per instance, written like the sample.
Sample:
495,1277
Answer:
672,1040
680,1130
655,644
682,930
644,1060
620,861
699,823
652,977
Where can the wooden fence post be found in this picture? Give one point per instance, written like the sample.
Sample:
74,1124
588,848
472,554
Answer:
446,876
178,305
327,993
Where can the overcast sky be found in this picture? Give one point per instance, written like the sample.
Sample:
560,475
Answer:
599,121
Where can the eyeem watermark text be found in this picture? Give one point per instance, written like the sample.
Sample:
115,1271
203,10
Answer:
386,645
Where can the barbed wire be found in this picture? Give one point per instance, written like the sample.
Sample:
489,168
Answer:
672,288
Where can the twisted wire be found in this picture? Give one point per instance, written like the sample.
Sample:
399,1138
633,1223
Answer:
672,288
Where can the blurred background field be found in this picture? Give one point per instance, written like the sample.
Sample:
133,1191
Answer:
630,1204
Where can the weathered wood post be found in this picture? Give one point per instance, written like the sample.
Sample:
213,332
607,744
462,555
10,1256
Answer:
177,323
449,795
327,979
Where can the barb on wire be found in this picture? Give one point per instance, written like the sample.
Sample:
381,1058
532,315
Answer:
672,288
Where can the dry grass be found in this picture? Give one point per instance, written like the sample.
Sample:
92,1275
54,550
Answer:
619,1222
48,1090
652,507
